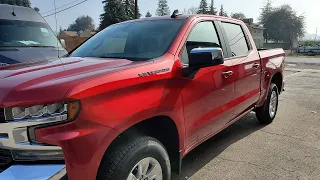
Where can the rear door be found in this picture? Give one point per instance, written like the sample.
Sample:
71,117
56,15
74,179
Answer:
246,64
205,96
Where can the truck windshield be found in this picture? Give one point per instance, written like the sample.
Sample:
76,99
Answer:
135,41
14,33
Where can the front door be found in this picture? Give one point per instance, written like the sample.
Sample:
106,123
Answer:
247,68
205,96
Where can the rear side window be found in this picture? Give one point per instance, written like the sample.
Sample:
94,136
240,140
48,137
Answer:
202,35
236,38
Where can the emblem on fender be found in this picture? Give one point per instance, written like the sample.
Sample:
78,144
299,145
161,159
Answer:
153,72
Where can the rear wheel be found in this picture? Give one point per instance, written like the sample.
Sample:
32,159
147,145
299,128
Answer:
268,111
310,53
137,158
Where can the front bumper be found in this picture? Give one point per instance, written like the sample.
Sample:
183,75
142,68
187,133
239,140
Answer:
35,172
15,148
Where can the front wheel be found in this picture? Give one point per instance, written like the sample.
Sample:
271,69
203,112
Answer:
137,158
268,111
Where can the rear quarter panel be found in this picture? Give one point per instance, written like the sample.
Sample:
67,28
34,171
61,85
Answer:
272,61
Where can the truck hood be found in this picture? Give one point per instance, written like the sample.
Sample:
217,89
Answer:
13,55
32,83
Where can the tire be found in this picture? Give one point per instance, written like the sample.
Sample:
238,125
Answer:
126,157
266,113
310,53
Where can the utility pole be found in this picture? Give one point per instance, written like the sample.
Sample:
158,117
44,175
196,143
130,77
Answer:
136,9
315,37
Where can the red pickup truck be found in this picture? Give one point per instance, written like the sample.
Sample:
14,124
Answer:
134,99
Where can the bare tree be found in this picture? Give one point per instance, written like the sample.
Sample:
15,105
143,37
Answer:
192,10
239,16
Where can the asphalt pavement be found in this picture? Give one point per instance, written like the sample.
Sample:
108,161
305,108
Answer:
289,148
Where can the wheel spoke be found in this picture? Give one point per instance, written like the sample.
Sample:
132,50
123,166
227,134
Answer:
273,104
148,168
144,166
155,173
131,177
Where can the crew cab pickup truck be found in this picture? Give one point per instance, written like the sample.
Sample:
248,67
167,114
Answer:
134,99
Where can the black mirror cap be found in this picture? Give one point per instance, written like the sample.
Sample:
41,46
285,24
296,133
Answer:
205,57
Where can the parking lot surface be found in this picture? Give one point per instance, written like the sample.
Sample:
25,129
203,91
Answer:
289,148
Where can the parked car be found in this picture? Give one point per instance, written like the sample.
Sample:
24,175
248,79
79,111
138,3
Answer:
134,99
25,36
309,50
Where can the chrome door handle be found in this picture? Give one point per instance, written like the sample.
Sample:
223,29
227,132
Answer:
227,74
256,65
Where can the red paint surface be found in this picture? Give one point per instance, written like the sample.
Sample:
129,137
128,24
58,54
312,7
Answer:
113,97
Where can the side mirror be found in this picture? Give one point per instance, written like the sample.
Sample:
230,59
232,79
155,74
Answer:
63,43
205,57
201,58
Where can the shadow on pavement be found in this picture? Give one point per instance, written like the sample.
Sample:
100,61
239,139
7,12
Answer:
210,149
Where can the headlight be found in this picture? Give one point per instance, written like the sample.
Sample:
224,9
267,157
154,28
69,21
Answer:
48,111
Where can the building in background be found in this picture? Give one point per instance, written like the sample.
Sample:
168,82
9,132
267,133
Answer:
73,39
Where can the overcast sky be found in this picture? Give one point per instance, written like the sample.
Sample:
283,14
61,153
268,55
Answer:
251,8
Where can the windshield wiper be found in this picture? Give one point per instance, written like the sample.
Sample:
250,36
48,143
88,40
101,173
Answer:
117,57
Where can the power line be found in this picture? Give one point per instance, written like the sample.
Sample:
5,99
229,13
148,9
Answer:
55,7
65,9
53,10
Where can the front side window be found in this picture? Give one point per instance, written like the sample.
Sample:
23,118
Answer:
136,41
236,38
14,33
203,35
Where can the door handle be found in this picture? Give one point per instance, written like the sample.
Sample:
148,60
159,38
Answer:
256,65
227,74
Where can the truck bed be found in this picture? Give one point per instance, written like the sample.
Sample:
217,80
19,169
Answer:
271,53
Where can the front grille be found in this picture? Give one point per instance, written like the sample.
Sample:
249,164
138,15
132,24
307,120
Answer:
2,118
5,159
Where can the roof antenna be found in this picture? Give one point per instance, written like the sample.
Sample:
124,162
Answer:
55,15
13,13
175,13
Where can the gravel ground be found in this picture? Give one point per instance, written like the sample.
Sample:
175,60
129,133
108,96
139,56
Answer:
304,60
289,148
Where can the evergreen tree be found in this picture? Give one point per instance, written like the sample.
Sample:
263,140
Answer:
129,8
113,13
25,3
163,8
212,8
222,12
203,7
148,14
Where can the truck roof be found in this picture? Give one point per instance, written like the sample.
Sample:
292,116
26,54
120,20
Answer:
183,17
11,12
